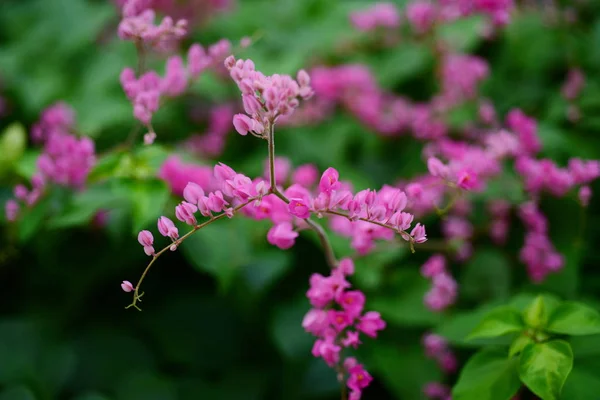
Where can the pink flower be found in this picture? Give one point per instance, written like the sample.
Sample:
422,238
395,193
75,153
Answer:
146,239
185,213
223,172
167,228
370,323
192,193
329,180
305,175
315,321
437,168
351,339
329,351
282,235
243,124
418,234
339,319
346,266
11,209
435,345
467,180
299,208
352,302
584,195
175,81
421,15
435,265
526,129
127,286
359,378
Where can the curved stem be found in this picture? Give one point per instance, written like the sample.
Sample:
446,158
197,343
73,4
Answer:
411,240
136,295
329,254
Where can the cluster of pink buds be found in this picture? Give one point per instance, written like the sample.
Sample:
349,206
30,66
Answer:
539,175
461,74
138,25
437,391
212,142
177,174
380,15
538,253
444,290
65,159
337,320
146,91
436,348
265,98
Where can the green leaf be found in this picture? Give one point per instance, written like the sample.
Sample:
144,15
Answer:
17,393
500,321
12,145
544,367
220,249
583,384
463,34
573,318
148,199
32,219
86,204
486,276
405,307
536,315
488,375
519,344
27,164
403,370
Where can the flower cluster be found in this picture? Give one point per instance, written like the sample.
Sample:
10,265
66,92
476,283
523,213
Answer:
138,25
538,253
337,320
265,98
178,174
195,11
380,15
444,288
65,159
436,348
146,91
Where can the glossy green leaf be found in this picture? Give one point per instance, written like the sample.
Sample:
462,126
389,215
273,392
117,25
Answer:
536,314
501,321
517,346
544,367
488,375
573,318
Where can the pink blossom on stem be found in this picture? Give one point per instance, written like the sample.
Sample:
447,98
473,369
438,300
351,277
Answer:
282,235
167,228
127,286
146,239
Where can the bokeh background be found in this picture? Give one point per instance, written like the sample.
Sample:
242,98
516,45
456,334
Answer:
222,316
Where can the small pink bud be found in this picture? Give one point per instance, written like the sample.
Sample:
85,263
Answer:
149,138
346,266
437,168
127,286
303,78
229,62
145,238
173,247
185,213
166,227
329,180
585,194
245,42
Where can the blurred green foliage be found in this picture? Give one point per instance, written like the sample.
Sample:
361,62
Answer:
222,317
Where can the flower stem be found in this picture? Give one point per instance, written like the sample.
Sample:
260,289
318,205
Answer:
136,295
329,254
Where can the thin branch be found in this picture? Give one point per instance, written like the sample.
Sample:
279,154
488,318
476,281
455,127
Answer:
329,253
136,295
